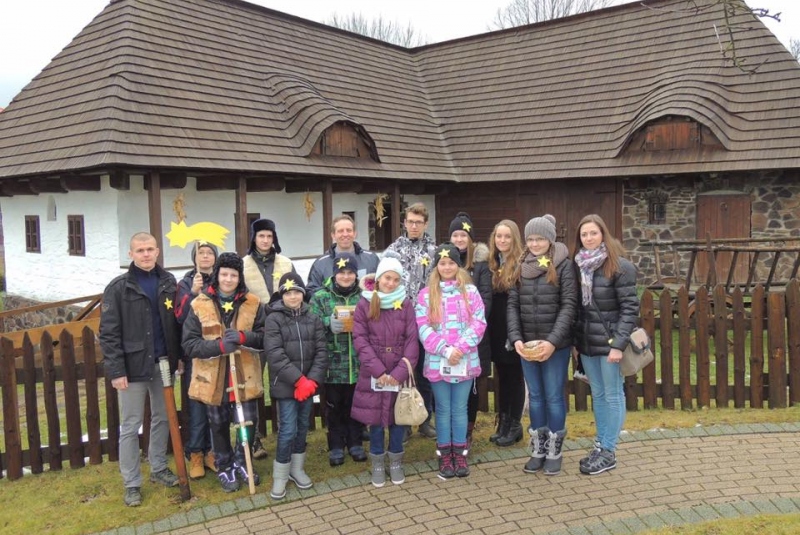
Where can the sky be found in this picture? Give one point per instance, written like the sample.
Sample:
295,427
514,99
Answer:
32,32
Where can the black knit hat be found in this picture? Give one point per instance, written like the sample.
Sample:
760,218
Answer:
463,222
263,224
345,261
231,261
291,281
199,244
447,250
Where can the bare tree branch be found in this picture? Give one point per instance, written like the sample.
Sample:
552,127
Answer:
522,12
378,28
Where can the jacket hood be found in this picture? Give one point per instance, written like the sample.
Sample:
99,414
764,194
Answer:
367,283
481,253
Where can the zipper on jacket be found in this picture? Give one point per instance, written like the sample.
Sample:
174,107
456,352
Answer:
300,337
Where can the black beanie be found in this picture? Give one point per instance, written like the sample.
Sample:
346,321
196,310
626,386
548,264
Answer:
345,261
231,261
291,281
263,224
448,250
463,222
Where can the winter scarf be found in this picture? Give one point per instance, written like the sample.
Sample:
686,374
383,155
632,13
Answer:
387,299
531,268
588,261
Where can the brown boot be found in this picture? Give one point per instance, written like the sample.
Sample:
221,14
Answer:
196,469
209,461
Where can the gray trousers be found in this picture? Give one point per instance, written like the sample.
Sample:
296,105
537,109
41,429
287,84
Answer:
131,402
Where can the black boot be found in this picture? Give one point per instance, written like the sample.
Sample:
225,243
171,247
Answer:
502,427
512,436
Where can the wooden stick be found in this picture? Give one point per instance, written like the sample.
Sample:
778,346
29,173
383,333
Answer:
242,423
174,429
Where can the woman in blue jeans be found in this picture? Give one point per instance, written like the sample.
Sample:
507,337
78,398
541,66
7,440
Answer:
541,309
607,314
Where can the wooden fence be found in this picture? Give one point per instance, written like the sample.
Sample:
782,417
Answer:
770,319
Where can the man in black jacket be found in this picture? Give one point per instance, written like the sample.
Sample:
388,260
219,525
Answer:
137,329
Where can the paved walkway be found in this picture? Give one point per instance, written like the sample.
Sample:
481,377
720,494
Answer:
663,478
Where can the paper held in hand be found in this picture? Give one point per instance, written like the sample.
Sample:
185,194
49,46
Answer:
457,370
345,313
377,387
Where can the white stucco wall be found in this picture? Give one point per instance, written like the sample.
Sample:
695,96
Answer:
111,217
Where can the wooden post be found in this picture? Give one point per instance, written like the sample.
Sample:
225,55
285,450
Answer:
240,226
32,406
701,316
757,348
739,335
684,349
327,213
793,332
721,344
72,400
396,212
154,209
665,328
11,422
650,389
776,322
50,401
95,452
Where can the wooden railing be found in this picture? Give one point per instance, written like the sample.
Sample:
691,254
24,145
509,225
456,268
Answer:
683,337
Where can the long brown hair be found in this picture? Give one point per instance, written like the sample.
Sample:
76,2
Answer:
435,293
505,276
613,246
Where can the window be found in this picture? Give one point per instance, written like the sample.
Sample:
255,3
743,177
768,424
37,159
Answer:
77,242
251,217
32,242
657,208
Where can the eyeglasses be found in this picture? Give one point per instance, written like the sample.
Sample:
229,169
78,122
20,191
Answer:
412,223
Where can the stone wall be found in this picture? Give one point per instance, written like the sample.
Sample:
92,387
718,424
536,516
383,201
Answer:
775,213
30,320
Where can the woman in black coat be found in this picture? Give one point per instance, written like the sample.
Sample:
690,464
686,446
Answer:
505,252
607,314
474,258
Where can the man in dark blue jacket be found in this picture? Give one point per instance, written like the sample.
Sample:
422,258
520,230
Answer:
137,329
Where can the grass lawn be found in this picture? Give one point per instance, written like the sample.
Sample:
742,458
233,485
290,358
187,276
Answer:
90,499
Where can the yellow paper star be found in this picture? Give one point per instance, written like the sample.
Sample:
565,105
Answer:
288,285
341,263
544,261
227,307
424,261
444,253
466,226
168,303
398,305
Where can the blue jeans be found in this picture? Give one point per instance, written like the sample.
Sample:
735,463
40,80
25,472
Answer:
547,405
199,440
451,411
608,398
396,435
292,427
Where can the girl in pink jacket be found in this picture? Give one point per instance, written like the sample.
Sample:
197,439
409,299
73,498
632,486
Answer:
451,322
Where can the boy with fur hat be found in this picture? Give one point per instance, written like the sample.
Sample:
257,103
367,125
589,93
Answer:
263,268
296,348
224,319
384,333
340,290
198,447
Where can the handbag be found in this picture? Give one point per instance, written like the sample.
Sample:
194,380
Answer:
637,353
409,408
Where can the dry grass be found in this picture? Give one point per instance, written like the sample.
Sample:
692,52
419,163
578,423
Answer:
90,499
771,524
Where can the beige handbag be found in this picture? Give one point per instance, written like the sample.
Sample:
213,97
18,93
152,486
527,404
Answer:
409,409
637,354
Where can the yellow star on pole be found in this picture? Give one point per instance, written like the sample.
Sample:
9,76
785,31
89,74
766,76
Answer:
444,253
424,261
168,303
341,263
466,226
544,261
227,307
398,305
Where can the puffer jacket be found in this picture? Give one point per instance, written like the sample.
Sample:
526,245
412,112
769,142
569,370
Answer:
618,303
381,346
482,279
343,365
538,310
458,329
294,341
322,268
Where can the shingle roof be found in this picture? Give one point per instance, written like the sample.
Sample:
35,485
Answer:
228,86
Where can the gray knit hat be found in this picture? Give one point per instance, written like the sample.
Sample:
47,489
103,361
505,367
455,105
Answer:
544,226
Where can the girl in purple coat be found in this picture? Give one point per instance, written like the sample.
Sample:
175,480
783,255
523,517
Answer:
384,333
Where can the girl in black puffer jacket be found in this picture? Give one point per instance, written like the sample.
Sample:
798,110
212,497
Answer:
607,314
475,259
541,309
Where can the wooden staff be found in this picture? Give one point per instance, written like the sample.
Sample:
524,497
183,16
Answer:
174,429
242,424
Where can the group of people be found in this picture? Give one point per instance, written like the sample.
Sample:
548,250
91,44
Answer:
356,332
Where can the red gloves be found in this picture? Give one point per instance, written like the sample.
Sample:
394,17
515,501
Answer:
304,388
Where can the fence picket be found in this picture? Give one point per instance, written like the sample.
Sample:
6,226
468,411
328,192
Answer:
11,424
95,450
793,335
739,335
776,321
72,400
51,401
31,406
701,318
665,350
684,349
650,387
757,347
721,344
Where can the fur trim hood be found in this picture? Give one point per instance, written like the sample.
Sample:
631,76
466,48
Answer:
481,253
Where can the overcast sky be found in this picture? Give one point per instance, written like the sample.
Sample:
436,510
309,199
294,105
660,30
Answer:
32,32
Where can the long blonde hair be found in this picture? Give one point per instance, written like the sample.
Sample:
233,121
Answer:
435,294
505,276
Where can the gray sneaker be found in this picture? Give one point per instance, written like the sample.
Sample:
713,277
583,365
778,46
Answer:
592,454
604,461
164,477
133,497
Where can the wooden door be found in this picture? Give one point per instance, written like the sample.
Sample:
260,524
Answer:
724,215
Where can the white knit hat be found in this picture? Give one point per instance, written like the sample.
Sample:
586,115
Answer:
389,263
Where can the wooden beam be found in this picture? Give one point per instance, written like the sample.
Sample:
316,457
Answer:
119,180
154,209
240,218
348,186
327,213
265,183
81,183
396,214
413,188
19,186
216,182
436,189
169,181
48,185
304,184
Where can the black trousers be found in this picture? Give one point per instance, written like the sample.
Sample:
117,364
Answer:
511,386
343,431
220,418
